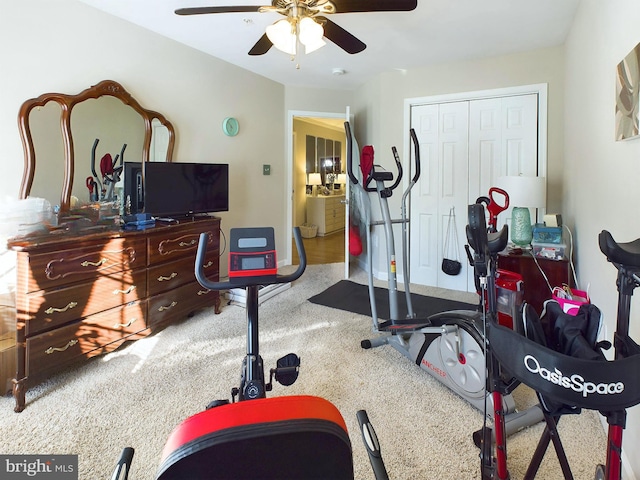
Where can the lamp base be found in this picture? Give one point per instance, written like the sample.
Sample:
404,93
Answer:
521,231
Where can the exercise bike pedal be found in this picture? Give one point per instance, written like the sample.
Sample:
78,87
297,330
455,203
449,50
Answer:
286,371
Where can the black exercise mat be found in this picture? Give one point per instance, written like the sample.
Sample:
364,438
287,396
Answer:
354,297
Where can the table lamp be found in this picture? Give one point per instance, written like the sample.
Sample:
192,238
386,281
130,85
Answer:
314,180
524,193
342,179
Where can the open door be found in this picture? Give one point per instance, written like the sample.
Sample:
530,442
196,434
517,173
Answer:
348,203
296,167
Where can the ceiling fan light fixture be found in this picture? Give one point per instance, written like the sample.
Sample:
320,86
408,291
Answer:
283,36
311,33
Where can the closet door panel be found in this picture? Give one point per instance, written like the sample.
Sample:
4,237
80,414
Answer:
465,147
454,174
520,135
520,141
425,197
485,145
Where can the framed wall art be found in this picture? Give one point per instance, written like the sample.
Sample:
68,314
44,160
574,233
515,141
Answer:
628,96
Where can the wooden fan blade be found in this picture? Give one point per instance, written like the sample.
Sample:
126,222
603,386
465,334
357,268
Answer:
203,10
262,46
341,37
348,6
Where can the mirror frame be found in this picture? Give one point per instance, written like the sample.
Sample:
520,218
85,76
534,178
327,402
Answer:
67,102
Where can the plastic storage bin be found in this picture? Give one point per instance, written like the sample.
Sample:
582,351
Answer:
553,251
543,234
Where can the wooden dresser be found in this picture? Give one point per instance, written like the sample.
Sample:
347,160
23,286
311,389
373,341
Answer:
327,212
81,295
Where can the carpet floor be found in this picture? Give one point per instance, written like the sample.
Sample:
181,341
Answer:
137,395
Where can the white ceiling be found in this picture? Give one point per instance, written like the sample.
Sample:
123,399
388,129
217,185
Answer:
437,31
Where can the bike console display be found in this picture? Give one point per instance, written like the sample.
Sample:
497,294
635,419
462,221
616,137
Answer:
252,253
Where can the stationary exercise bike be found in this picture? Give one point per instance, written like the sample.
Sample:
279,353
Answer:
251,436
565,365
449,345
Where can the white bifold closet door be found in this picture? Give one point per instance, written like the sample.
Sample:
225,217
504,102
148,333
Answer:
464,147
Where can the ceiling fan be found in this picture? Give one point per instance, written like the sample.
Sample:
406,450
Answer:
305,22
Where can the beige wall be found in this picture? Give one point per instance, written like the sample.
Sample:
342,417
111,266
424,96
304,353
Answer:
381,119
380,114
62,47
601,176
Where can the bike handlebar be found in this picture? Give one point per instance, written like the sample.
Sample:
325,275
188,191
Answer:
243,282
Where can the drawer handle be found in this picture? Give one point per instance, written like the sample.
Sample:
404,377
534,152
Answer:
126,292
51,310
125,325
164,279
203,292
188,244
50,350
171,305
208,264
87,263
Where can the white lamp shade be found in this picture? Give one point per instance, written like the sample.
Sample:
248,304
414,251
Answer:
283,36
342,179
525,191
311,33
314,179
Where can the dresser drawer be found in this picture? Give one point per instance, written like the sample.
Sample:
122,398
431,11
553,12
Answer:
334,202
92,336
50,309
169,245
83,263
173,274
179,302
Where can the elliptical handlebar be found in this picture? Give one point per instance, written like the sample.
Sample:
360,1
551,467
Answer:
416,150
354,179
243,282
396,157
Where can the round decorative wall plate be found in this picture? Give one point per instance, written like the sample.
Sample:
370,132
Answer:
230,126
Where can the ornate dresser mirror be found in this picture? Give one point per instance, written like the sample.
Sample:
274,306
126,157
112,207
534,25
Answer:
85,291
65,137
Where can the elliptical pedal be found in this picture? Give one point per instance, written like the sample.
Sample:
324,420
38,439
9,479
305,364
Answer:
403,326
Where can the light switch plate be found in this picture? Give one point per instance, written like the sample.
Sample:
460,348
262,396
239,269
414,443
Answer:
266,169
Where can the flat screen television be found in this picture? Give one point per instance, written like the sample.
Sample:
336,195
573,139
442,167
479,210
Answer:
172,189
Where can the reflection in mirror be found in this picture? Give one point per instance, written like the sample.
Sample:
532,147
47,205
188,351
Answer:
48,179
60,143
114,125
160,137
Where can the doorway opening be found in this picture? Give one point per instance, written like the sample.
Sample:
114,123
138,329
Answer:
315,140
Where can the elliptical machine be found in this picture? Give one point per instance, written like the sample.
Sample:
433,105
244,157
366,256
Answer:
448,345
